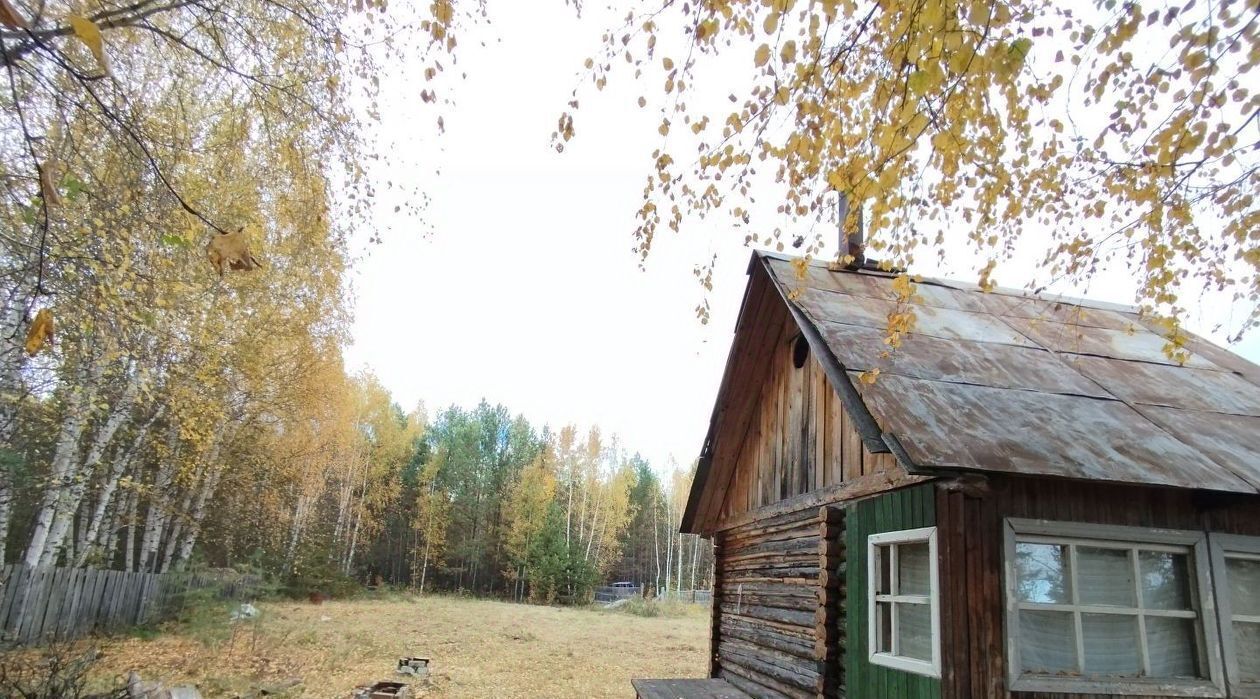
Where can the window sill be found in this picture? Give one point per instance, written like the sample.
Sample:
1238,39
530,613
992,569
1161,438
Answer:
1135,686
918,667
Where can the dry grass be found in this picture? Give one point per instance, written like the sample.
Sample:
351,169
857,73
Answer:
479,648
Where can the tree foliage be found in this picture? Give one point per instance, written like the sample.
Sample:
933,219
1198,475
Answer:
1062,136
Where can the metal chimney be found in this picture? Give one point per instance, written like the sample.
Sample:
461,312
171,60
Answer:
854,243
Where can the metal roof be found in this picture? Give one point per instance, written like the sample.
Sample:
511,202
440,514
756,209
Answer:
1012,382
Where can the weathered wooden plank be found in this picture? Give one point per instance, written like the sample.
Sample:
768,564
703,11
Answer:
37,604
19,585
58,586
9,576
849,490
747,680
712,688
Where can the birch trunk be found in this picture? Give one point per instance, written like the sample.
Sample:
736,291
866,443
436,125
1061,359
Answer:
129,555
184,534
295,534
678,588
109,486
80,477
695,548
354,537
109,533
158,513
656,538
6,509
198,515
64,456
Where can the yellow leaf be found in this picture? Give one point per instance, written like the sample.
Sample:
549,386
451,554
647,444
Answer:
231,250
868,377
788,52
40,333
90,34
763,55
48,184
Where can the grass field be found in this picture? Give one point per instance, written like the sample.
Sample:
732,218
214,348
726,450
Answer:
479,648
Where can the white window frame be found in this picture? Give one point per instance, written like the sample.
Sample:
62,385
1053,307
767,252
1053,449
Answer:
1109,536
1232,545
899,662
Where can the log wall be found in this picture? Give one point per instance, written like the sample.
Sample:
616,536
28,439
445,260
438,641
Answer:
767,606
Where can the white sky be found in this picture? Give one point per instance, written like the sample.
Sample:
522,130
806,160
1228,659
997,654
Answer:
520,286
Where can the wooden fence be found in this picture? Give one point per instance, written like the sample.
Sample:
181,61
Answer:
46,604
612,593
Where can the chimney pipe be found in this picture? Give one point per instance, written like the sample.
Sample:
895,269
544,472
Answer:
854,244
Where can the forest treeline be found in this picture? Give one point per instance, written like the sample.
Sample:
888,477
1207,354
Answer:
182,189
348,489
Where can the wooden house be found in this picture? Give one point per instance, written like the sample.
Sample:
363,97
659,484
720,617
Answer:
1031,500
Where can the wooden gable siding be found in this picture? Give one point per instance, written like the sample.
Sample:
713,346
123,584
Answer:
766,605
909,508
799,438
970,541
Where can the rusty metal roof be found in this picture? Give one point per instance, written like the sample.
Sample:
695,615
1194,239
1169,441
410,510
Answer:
1013,382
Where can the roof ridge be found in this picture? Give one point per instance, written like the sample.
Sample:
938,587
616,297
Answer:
965,286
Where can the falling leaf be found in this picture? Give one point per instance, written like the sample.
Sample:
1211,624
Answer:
763,55
869,377
231,250
48,185
40,333
9,16
90,34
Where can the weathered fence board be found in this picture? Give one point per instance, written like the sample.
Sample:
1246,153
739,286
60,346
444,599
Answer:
45,604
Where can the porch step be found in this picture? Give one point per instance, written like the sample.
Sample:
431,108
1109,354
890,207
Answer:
686,689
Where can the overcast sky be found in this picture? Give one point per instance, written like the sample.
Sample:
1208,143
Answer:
520,286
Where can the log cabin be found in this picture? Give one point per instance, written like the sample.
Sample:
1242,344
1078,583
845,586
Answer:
1030,500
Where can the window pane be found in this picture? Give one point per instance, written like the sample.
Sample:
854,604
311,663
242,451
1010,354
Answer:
1171,645
883,627
1041,571
1111,644
914,630
1243,576
1165,580
1047,642
1105,577
1247,648
883,570
913,569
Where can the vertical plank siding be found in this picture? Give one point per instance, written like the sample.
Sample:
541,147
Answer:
901,509
45,604
799,438
970,540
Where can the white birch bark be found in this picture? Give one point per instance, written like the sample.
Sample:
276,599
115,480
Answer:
64,456
129,553
680,566
110,485
656,538
80,477
158,512
6,509
193,529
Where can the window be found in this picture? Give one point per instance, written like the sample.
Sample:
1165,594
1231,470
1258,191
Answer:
1236,562
903,601
1109,609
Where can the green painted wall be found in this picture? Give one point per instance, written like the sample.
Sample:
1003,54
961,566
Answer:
901,509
